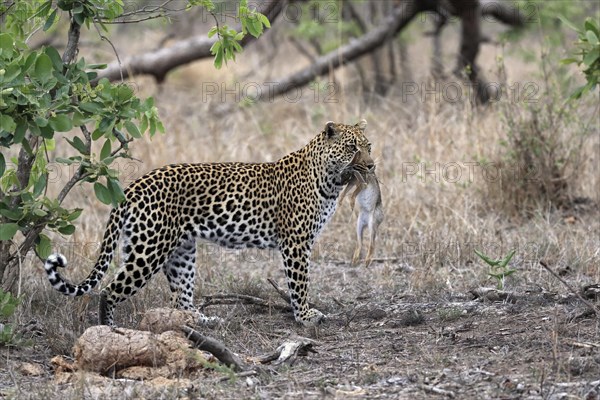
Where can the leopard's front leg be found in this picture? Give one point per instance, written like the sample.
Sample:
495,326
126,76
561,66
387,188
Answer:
296,265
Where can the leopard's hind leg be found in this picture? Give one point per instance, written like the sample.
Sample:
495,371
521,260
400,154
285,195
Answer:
180,270
143,257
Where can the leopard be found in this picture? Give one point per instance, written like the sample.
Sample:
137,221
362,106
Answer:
282,205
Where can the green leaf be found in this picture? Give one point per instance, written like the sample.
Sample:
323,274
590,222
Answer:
78,17
591,37
507,259
61,123
40,185
143,124
44,246
91,107
214,49
55,57
40,121
591,26
68,161
489,261
160,126
7,123
6,310
29,61
50,21
78,144
67,229
79,119
97,134
569,61
6,45
20,132
591,57
8,231
102,193
13,215
124,93
43,68
38,212
74,215
132,129
2,164
97,66
46,132
116,191
43,9
106,148
254,27
264,20
219,58
106,125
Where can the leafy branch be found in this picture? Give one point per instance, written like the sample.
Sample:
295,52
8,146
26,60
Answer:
587,54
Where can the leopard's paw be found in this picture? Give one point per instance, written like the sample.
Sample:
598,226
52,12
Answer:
312,317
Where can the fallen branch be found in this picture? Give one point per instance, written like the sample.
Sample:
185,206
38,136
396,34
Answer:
437,390
593,308
237,299
215,347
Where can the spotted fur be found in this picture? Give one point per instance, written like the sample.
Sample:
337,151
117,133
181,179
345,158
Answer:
283,205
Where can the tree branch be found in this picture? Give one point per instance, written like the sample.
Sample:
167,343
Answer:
398,19
159,62
72,49
575,292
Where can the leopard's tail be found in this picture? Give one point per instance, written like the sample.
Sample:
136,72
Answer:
107,251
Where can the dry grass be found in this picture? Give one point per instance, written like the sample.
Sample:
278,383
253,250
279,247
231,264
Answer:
406,322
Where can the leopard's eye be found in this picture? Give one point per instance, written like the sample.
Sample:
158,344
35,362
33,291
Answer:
352,147
369,147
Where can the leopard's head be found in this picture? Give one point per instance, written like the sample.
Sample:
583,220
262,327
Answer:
349,151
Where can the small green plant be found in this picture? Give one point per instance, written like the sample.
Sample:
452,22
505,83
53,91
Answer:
498,268
8,305
587,54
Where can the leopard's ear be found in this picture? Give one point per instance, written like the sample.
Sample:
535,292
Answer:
330,130
362,125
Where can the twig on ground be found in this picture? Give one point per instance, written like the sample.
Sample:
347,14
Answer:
214,347
235,298
576,293
437,390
